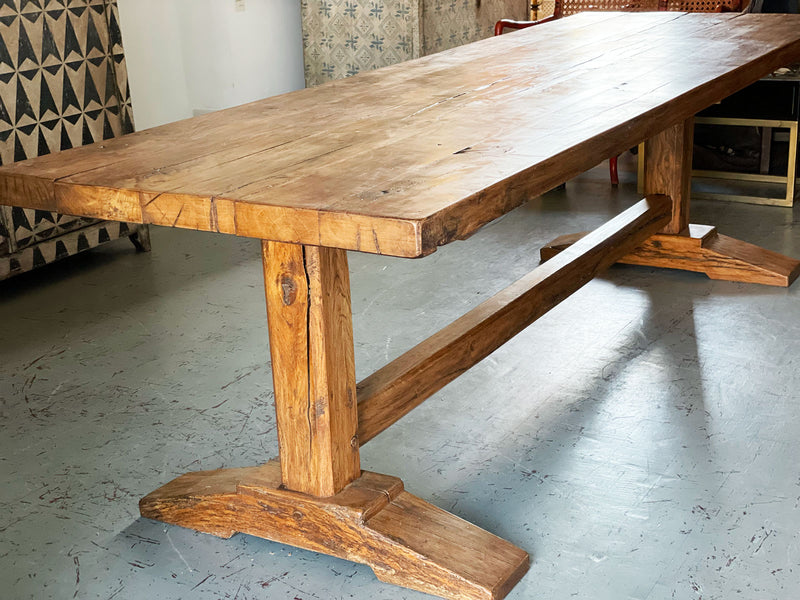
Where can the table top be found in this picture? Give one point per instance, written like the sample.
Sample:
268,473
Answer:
401,160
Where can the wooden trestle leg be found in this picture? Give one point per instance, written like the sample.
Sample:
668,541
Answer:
699,248
316,497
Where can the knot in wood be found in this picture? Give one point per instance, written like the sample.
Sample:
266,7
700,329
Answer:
288,290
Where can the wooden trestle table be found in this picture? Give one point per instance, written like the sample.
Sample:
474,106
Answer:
400,161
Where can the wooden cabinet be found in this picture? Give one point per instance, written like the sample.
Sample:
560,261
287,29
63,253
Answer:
344,37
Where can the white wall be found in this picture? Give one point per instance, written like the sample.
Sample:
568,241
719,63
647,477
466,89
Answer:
185,56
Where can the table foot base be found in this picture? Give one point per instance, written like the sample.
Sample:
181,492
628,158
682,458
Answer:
405,540
141,239
703,250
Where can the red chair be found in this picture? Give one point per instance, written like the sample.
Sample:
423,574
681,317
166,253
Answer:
564,8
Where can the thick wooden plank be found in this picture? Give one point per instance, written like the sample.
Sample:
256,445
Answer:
311,344
702,250
393,391
490,565
668,170
374,521
405,159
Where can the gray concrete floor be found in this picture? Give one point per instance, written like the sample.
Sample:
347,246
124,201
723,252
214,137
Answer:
641,441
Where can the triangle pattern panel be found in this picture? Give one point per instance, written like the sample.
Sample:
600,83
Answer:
33,226
9,33
114,32
7,7
63,83
29,6
27,99
48,109
75,29
6,241
96,44
67,244
7,92
50,54
27,56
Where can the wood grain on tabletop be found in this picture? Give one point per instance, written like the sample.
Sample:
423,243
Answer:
400,160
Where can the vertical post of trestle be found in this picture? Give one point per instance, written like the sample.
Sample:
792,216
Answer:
311,344
668,170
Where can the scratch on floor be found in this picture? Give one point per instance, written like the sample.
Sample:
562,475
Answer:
171,543
207,577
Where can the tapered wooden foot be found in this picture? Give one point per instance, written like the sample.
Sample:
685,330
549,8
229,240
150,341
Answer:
405,540
703,250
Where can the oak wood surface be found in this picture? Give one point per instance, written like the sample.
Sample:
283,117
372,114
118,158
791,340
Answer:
702,250
311,344
400,161
668,170
373,520
393,391
406,158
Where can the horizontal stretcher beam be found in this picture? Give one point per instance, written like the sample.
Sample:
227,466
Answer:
394,390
